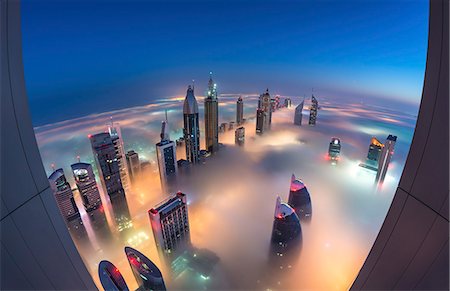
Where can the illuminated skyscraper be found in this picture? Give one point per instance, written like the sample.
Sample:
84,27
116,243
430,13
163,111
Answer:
373,154
167,157
87,187
110,277
211,117
63,195
240,111
146,273
313,111
239,136
191,129
170,224
116,137
106,159
385,157
299,113
286,226
260,121
133,165
334,149
287,102
265,105
299,198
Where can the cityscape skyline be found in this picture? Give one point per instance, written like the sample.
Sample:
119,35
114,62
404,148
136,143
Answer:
342,62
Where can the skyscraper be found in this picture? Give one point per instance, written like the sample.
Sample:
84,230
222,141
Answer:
299,198
191,129
167,157
240,111
110,277
373,154
116,137
87,187
287,102
286,227
265,105
211,117
170,224
106,159
299,113
313,111
133,165
385,158
146,273
334,149
260,121
239,136
63,195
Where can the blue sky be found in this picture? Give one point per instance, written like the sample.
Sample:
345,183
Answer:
84,57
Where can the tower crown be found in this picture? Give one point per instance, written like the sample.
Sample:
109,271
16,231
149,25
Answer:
190,103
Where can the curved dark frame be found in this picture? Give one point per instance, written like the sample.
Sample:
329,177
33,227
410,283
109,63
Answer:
410,252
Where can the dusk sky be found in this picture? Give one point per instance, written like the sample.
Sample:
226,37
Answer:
84,57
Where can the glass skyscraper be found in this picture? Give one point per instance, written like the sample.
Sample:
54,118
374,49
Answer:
211,117
191,128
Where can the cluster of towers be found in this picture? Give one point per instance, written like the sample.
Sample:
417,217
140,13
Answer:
298,116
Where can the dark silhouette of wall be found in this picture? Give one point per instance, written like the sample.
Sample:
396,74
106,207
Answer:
37,251
411,250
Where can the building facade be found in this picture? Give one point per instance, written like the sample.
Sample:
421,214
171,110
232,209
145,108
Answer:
116,137
211,117
298,115
191,128
106,159
133,165
260,121
147,274
266,105
240,111
239,136
63,195
313,111
334,149
286,227
170,224
385,157
299,198
87,186
166,155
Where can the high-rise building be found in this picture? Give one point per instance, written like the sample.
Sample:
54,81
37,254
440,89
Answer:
373,154
106,159
277,102
146,273
191,129
87,187
133,165
239,136
299,113
334,149
63,195
313,111
211,117
240,111
116,137
287,102
167,157
385,157
170,224
121,213
110,277
299,198
260,121
286,227
265,105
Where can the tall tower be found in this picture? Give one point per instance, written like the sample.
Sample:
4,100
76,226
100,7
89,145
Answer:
147,274
286,227
240,111
106,159
63,195
116,137
167,157
170,224
260,121
313,111
266,106
87,187
385,157
239,136
374,153
191,129
299,198
299,113
211,117
133,165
